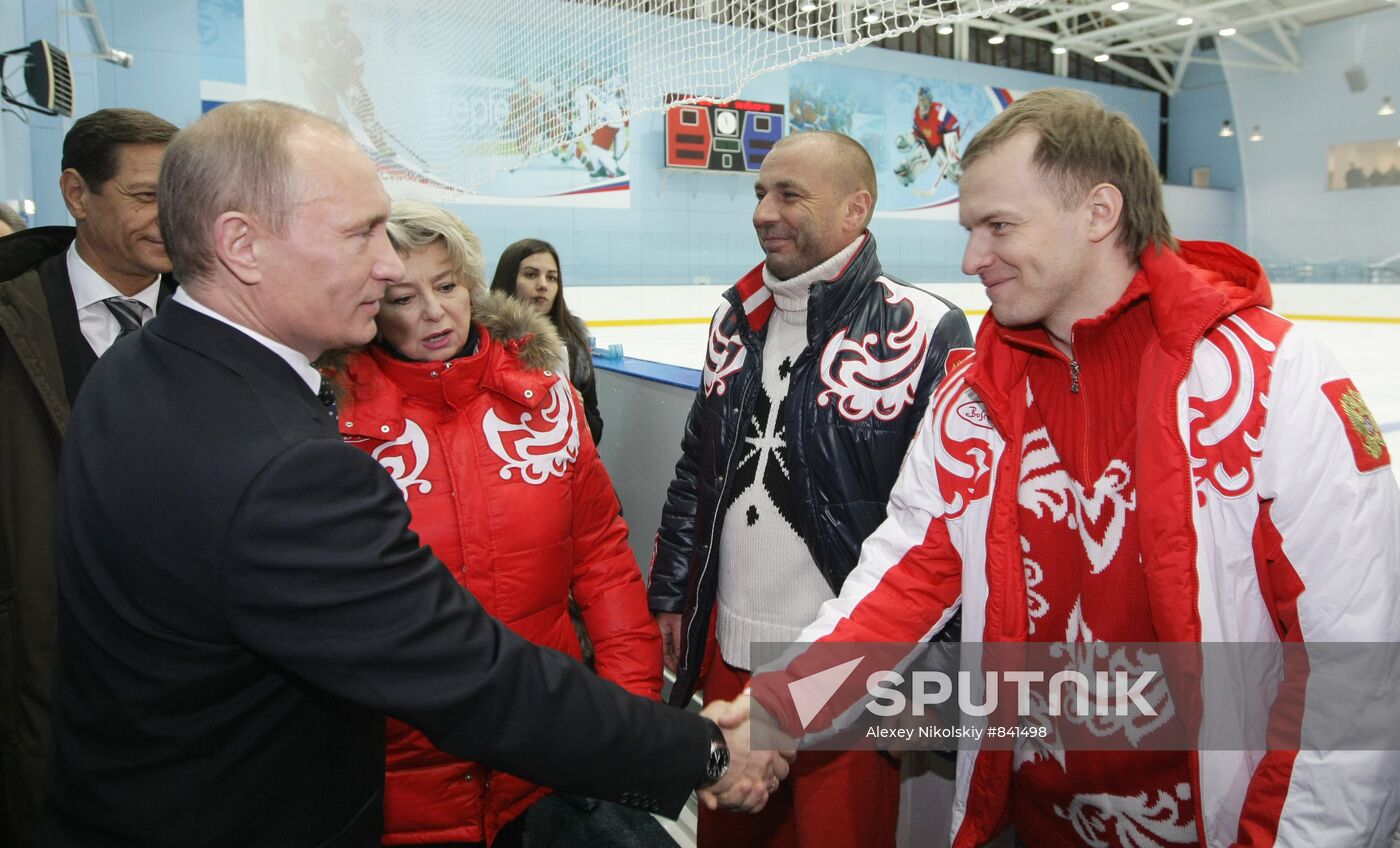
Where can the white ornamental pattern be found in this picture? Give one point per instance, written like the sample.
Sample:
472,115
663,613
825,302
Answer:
724,356
537,448
405,458
1145,820
1084,653
1036,604
1099,515
1227,403
860,382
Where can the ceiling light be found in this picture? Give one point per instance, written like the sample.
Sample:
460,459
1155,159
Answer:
1120,6
1387,108
1256,135
808,6
1185,20
945,29
872,17
996,38
1102,57
1225,129
1226,32
1059,50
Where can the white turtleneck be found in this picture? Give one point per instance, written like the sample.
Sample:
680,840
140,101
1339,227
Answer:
769,586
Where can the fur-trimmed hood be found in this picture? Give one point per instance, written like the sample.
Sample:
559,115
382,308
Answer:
528,335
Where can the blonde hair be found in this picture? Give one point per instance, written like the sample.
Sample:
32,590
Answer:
234,158
1080,145
413,226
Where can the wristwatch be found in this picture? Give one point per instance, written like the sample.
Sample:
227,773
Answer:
718,762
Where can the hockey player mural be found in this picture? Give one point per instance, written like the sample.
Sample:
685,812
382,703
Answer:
914,127
932,143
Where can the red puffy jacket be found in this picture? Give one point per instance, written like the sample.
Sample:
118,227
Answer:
492,455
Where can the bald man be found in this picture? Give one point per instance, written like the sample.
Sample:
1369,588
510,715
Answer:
817,372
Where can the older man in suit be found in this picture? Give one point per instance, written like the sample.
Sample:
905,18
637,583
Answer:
243,604
66,295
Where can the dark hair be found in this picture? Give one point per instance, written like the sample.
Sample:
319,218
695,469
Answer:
569,327
90,148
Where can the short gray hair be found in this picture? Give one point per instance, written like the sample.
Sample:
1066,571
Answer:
413,226
12,218
234,158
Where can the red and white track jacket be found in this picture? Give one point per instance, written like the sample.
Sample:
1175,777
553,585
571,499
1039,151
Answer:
1267,512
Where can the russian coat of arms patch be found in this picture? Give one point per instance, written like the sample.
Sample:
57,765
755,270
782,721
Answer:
1363,433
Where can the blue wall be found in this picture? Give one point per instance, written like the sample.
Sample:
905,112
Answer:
684,228
1193,128
16,179
681,228
1291,214
164,79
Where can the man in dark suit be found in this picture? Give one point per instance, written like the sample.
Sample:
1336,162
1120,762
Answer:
66,295
242,603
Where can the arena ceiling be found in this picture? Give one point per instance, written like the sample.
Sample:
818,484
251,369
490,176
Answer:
1146,43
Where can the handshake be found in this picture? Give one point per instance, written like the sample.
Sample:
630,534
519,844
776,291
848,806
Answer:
753,776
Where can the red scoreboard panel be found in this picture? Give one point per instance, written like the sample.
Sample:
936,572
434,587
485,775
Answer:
729,135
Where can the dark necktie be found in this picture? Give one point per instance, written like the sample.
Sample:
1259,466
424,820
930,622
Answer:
326,396
128,314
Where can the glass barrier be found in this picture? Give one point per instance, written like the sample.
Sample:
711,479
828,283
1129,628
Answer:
1285,271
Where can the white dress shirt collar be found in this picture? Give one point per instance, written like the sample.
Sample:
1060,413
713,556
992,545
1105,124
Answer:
297,360
96,322
90,288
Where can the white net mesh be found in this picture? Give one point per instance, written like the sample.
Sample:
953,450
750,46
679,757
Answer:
455,93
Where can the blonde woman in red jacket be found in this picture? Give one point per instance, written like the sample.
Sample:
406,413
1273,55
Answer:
462,400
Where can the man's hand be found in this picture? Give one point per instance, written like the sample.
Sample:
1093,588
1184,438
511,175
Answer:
753,775
670,624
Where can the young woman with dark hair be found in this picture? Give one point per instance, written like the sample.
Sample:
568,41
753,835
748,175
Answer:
529,270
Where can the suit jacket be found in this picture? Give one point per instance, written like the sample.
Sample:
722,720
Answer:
242,602
43,361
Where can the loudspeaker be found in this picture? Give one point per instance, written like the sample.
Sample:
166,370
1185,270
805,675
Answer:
1356,78
48,79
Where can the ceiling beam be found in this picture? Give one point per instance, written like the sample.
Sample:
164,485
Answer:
1149,81
1184,62
1071,12
1281,63
1235,63
1284,41
1149,21
1292,11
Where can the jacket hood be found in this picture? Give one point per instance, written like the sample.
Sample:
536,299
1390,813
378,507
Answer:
1202,281
25,249
520,329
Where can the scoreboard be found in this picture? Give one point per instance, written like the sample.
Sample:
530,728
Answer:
728,135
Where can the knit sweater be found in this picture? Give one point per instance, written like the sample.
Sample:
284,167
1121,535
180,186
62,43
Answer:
1085,582
769,586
